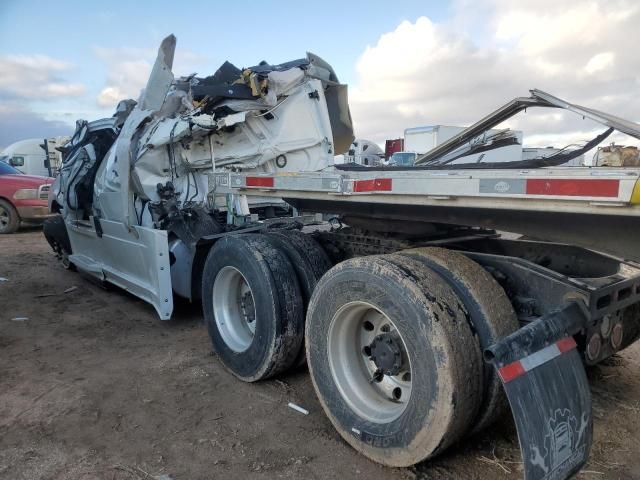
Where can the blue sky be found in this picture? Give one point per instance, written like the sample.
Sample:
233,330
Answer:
240,31
209,32
407,63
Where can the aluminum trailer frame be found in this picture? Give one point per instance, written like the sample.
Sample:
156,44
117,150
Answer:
596,208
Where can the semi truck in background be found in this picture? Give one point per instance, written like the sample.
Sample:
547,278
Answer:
417,320
35,156
364,152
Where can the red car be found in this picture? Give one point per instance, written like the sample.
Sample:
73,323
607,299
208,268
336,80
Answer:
22,198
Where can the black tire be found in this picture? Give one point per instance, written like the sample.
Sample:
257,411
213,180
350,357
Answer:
9,218
490,312
307,274
443,355
631,326
279,320
309,247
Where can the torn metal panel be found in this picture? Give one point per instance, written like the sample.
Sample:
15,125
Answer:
625,126
161,76
506,111
144,171
134,259
538,98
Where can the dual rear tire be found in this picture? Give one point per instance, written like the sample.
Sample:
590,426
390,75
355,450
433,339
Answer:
255,291
431,311
393,341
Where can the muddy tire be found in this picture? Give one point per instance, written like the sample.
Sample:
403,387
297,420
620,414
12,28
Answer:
631,326
252,306
490,312
392,358
491,315
9,218
309,247
308,272
305,272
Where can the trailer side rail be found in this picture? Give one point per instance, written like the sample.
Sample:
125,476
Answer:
572,190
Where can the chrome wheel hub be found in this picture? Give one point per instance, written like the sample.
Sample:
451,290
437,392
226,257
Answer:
369,362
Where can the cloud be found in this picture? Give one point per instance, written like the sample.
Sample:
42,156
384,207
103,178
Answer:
426,72
19,124
129,68
36,77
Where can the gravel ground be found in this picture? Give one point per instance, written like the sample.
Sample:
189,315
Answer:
93,385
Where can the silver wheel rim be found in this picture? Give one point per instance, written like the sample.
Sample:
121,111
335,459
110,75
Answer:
234,309
4,218
376,397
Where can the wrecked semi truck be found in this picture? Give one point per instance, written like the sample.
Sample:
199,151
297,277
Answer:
420,324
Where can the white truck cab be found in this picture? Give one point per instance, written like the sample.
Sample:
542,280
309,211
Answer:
30,156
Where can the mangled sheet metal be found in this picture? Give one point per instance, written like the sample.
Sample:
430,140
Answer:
467,140
135,188
266,118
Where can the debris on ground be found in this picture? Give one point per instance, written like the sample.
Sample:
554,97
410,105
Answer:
298,408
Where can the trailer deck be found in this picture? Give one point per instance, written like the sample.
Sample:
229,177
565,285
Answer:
594,207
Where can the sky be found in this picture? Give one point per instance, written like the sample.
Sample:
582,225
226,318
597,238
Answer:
407,63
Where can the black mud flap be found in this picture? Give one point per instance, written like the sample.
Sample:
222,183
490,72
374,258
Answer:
548,391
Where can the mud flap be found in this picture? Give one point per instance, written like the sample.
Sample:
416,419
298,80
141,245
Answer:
549,394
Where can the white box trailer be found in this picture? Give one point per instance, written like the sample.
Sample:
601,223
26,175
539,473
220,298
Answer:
423,139
413,314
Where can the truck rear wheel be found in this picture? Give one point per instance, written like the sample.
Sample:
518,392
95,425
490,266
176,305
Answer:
308,264
392,358
311,249
9,218
305,272
252,306
491,315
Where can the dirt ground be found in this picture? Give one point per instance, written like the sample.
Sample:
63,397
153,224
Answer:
93,385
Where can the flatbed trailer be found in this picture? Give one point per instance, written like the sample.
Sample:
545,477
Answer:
589,206
413,312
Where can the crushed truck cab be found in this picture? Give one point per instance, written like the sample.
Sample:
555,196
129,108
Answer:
419,321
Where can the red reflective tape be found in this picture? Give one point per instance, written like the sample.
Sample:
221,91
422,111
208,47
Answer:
573,188
566,344
511,371
260,182
375,185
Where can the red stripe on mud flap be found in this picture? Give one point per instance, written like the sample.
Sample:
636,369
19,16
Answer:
260,182
518,368
511,372
375,185
566,344
573,188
